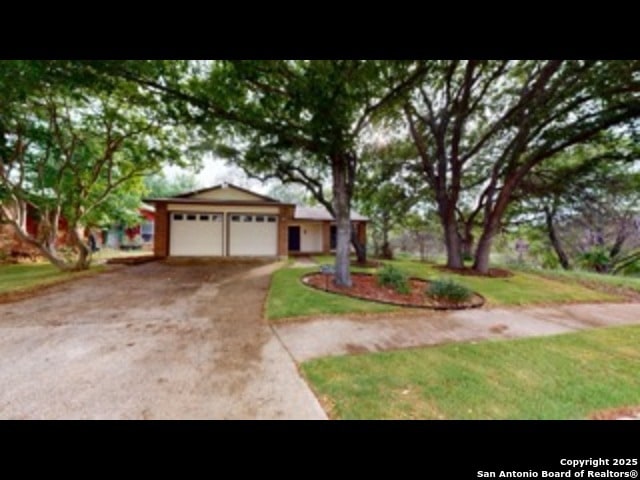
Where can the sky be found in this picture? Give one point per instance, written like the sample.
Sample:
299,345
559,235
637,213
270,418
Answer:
215,171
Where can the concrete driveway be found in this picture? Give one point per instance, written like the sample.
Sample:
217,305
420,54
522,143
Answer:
154,341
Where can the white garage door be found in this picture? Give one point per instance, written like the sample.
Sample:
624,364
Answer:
195,234
253,235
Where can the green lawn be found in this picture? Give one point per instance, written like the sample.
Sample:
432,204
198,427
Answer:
26,276
523,288
288,297
562,377
594,279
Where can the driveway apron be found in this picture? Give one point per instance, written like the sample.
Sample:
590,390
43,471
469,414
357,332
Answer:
155,341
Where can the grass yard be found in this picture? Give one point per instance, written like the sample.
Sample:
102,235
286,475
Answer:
523,288
563,377
594,279
288,297
28,276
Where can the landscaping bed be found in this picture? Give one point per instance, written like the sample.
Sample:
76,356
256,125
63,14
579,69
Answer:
365,286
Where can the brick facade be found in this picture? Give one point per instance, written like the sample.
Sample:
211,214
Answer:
161,231
286,215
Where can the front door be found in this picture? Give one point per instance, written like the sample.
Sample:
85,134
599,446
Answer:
294,239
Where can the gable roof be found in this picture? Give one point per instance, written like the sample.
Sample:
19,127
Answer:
224,185
216,195
321,213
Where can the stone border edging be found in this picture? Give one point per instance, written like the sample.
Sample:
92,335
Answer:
386,302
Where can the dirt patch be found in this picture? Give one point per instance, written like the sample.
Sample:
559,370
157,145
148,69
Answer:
621,413
366,287
493,272
498,328
28,292
367,264
136,260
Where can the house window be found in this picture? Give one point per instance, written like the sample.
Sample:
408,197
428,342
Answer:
177,216
247,218
333,240
259,218
191,218
271,219
235,218
204,218
146,231
216,218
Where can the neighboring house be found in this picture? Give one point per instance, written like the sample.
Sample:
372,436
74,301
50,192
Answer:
136,236
11,244
228,221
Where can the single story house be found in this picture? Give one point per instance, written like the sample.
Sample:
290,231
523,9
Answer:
139,235
136,236
229,221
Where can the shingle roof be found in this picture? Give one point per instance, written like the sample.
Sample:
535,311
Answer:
321,213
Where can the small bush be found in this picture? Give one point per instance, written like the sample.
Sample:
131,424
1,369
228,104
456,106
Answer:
448,290
595,259
394,278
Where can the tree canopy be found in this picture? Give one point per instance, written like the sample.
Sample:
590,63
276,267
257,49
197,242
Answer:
481,127
74,152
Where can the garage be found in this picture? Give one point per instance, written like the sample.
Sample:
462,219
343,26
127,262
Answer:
253,234
196,234
228,221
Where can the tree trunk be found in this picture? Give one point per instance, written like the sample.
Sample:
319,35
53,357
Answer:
621,237
49,253
342,207
386,252
422,245
46,243
555,241
481,261
361,250
493,217
84,253
451,235
452,244
467,243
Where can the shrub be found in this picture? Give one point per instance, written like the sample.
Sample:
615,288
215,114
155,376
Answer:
394,278
595,259
448,290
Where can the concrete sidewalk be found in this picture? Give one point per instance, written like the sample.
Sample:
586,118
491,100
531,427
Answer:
336,335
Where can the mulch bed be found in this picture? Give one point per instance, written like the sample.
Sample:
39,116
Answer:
365,287
617,413
137,260
493,272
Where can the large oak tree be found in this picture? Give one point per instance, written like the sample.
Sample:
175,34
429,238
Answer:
299,121
481,127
